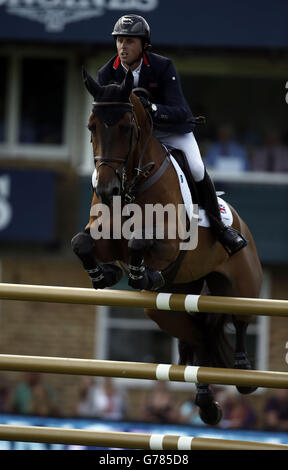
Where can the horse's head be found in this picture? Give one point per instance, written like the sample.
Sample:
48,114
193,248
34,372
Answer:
113,130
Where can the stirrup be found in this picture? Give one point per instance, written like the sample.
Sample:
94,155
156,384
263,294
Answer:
232,246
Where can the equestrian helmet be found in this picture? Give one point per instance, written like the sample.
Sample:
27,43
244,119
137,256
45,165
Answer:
132,25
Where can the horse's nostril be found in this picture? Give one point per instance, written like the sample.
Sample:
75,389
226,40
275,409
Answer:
106,193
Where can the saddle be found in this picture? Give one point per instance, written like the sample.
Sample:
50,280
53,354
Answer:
182,162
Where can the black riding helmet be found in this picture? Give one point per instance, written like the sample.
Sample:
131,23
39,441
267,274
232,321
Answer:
133,25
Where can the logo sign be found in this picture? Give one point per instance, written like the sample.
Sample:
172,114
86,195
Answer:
56,14
5,206
27,206
148,222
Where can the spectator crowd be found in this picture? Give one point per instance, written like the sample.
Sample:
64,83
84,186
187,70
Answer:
103,399
228,153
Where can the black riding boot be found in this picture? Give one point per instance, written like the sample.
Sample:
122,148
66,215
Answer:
231,239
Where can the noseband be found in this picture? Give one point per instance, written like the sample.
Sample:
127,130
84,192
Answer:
127,187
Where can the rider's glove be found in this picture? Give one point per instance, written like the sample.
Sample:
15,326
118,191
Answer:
148,106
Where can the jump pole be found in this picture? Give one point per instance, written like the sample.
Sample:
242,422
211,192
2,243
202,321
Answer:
150,300
139,370
126,440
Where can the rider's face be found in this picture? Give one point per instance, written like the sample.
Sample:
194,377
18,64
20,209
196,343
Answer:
129,49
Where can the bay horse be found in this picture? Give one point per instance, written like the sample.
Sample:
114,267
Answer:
135,167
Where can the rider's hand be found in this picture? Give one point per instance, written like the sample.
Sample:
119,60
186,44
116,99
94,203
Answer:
148,106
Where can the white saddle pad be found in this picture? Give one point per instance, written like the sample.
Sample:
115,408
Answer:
203,221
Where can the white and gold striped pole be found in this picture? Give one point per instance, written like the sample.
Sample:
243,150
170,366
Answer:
125,440
151,300
142,370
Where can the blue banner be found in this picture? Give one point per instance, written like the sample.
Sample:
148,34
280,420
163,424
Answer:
27,206
260,23
136,427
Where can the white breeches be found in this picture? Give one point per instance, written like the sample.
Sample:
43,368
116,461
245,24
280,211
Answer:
187,143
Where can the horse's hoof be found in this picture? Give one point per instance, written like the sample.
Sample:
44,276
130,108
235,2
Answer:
242,362
107,276
211,415
139,283
149,280
246,390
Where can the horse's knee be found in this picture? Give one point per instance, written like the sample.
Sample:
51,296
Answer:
137,248
140,244
82,245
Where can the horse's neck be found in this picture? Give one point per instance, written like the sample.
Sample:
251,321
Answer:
154,151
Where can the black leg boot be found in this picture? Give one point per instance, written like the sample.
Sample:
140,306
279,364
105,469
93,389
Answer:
231,239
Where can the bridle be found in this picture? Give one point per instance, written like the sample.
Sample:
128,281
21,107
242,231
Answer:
127,187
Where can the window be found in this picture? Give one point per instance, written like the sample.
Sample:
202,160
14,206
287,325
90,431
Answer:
134,337
38,93
42,101
3,94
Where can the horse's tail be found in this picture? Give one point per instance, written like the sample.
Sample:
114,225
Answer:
218,351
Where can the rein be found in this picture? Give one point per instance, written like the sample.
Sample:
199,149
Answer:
129,188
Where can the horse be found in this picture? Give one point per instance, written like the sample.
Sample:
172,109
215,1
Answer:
135,169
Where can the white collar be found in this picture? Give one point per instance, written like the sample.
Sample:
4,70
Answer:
137,70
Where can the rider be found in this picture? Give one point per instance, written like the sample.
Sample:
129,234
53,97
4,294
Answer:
173,121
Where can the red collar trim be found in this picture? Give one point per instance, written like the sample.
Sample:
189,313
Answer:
117,61
145,60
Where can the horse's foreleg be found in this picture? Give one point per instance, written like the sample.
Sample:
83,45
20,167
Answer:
241,358
140,276
101,275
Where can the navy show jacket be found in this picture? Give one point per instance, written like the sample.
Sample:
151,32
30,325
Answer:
160,78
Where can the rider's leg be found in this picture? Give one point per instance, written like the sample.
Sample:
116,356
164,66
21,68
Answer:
230,238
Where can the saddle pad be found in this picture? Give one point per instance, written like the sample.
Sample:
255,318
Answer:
203,220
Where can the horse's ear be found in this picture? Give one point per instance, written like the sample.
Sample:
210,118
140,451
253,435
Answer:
128,82
91,85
